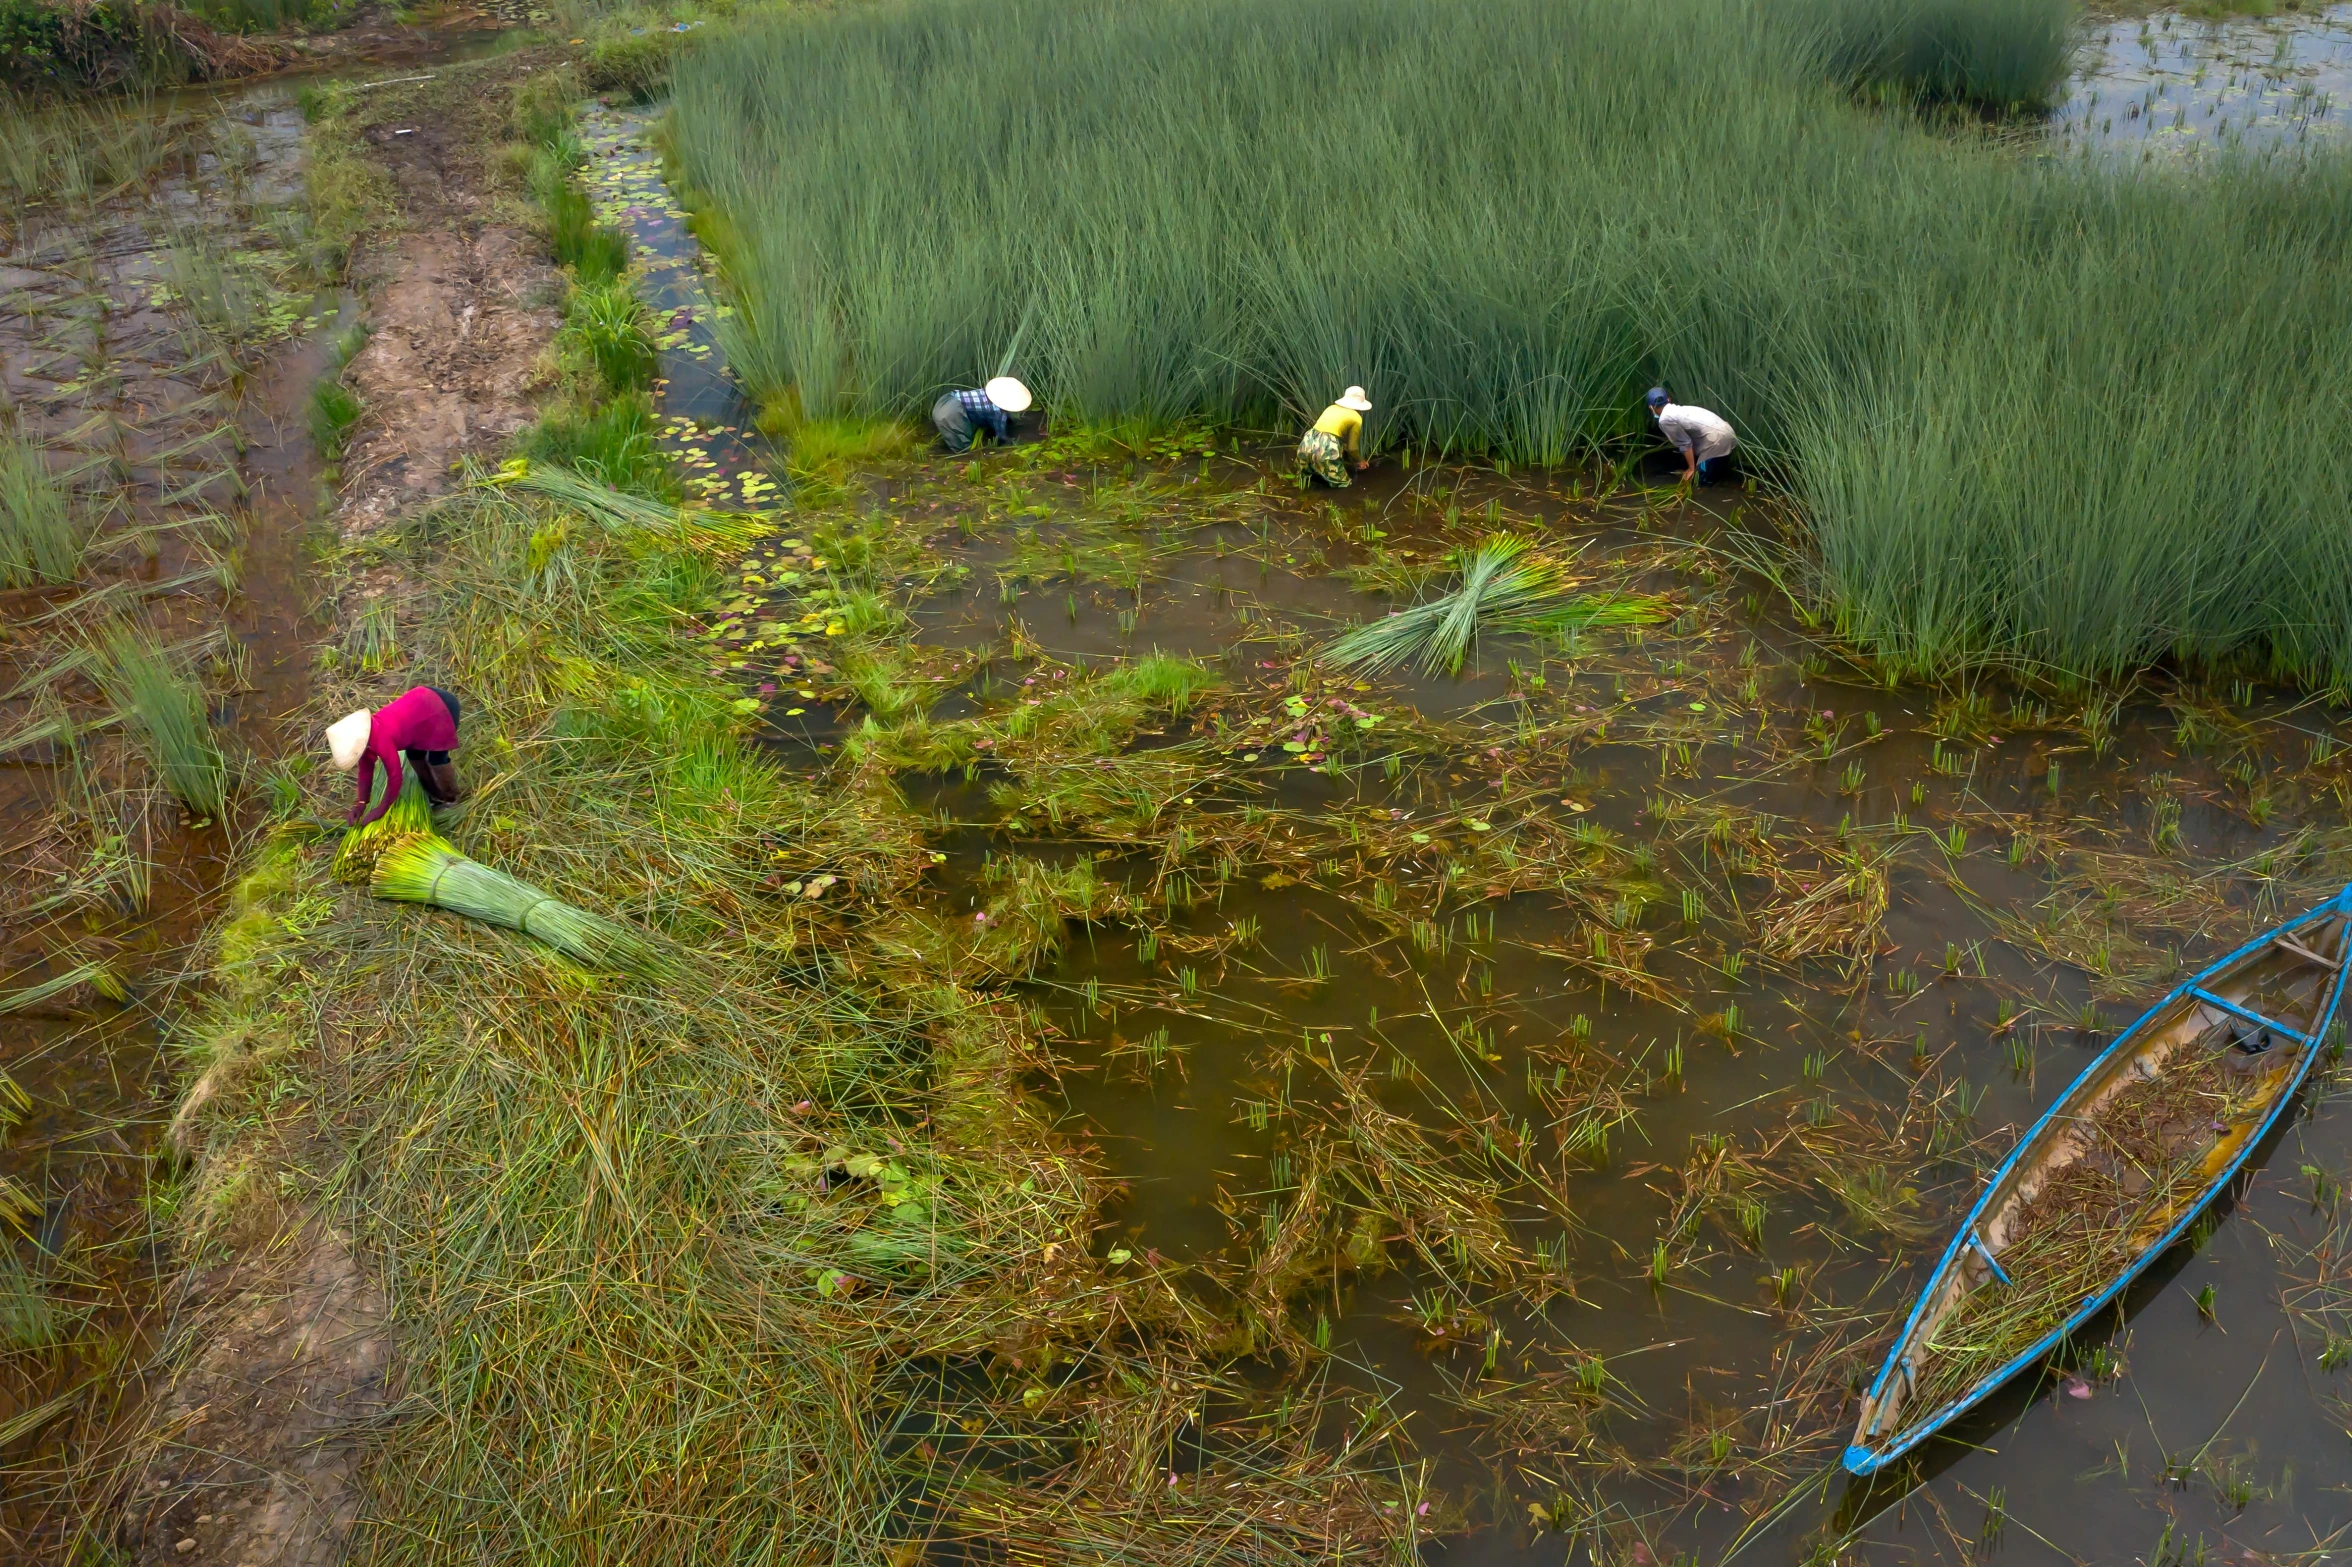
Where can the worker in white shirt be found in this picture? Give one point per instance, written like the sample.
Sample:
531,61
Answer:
1704,440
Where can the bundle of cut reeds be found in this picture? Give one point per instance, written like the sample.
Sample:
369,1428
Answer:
425,868
1504,588
409,815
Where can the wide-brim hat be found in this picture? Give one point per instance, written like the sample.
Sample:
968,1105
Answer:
1354,398
1008,394
347,738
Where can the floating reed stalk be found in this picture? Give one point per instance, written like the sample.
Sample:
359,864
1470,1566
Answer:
1505,588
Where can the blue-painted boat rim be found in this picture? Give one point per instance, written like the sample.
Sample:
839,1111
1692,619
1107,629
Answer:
1865,1460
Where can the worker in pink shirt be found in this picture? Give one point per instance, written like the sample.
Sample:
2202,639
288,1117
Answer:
421,725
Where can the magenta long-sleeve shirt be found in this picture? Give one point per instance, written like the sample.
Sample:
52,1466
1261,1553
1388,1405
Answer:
416,720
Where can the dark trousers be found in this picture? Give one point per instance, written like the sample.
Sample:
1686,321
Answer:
1714,470
421,765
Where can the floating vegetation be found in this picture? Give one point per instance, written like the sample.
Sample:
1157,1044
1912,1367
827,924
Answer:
1505,589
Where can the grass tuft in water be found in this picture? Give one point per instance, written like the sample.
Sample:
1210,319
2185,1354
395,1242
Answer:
605,325
167,710
42,533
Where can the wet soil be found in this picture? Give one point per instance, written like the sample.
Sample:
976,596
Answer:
180,422
461,303
163,347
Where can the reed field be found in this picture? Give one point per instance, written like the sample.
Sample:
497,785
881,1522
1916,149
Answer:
2035,411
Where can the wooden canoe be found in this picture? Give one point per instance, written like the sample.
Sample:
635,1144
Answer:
2110,1175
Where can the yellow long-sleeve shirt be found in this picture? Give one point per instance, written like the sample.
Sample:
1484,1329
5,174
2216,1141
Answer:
1345,423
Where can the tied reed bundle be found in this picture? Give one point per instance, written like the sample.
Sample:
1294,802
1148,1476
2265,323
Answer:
409,816
600,502
1504,588
424,868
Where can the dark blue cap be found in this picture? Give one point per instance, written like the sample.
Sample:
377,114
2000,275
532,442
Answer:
1657,397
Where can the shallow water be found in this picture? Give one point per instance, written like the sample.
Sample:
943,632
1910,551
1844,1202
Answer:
115,376
2036,867
2165,85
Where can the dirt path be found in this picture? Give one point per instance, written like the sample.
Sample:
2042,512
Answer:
461,301
284,1358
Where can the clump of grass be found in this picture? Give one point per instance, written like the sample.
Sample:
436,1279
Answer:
167,710
617,445
222,303
635,62
1505,588
816,447
605,325
98,976
43,534
80,151
335,408
2005,56
594,254
334,411
29,1318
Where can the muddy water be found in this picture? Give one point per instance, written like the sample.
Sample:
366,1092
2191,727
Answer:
184,420
2166,84
1724,1171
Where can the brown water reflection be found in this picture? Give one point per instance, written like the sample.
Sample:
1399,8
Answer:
1858,1104
193,436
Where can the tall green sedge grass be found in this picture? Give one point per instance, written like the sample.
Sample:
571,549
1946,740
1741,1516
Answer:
1980,54
42,533
2035,410
167,709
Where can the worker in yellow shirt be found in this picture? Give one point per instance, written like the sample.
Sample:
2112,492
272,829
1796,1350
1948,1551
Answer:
1337,439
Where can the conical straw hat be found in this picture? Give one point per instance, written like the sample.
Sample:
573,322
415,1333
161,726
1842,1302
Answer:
347,737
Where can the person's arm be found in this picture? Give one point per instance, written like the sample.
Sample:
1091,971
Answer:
1355,444
365,776
1684,442
392,783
